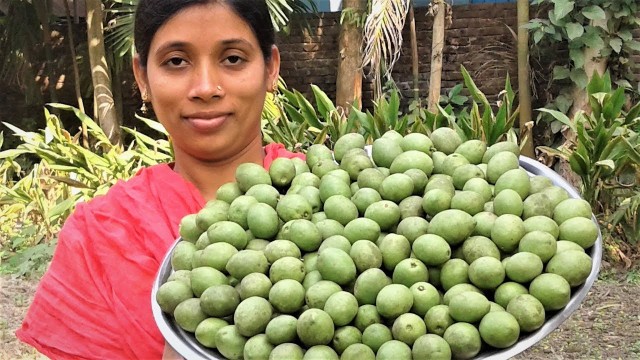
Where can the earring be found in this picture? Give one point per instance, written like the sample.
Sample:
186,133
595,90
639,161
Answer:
274,88
143,109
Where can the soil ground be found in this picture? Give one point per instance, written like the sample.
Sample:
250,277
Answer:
606,326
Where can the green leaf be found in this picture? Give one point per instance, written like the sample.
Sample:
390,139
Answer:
564,119
553,152
578,165
475,92
533,24
610,147
155,125
633,45
500,125
594,12
596,85
574,30
577,56
625,35
92,126
537,36
62,207
592,38
13,153
563,103
579,77
307,110
21,133
562,8
560,72
633,114
393,108
616,44
611,110
324,104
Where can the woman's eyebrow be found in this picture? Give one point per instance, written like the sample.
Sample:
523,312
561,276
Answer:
237,42
172,45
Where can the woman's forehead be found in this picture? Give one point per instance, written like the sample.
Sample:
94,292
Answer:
211,22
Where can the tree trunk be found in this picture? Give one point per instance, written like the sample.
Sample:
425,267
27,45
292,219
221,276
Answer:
437,45
524,91
349,77
76,71
100,74
414,54
593,62
42,11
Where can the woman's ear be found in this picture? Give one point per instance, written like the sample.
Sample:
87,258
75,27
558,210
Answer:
140,74
273,69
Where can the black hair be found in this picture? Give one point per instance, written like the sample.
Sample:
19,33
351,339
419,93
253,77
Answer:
152,14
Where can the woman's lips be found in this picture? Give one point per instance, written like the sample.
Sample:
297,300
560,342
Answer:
206,122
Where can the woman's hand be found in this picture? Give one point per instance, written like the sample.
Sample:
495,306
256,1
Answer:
170,354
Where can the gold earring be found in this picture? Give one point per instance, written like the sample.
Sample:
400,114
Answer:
144,108
275,86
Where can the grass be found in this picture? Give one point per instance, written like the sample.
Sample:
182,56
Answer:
633,277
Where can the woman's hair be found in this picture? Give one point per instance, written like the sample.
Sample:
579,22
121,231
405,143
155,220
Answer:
152,14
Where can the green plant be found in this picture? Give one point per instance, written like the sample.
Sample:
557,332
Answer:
95,170
626,216
633,277
386,116
454,97
482,122
293,120
605,26
33,208
606,152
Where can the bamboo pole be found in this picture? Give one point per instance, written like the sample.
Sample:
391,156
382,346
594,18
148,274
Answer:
524,91
437,46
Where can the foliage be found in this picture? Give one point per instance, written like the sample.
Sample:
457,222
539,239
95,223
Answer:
92,172
627,218
383,38
297,124
482,122
31,213
454,97
606,153
121,17
33,208
294,121
603,26
18,27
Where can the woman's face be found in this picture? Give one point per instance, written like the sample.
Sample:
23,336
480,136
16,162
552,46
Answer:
207,79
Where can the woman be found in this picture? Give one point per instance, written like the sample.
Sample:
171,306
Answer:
205,66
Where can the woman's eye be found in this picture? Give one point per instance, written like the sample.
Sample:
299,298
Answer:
176,61
234,59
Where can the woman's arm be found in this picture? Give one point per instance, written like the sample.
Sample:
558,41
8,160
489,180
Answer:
170,354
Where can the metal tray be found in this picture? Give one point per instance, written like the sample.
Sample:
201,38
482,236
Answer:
186,345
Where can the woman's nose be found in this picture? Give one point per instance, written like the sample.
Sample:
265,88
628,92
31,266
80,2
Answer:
205,84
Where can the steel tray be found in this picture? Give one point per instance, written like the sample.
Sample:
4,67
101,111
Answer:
187,346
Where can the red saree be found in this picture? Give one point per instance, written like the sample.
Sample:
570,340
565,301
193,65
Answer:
94,301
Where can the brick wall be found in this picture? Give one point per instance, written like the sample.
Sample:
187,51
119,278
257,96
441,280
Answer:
477,38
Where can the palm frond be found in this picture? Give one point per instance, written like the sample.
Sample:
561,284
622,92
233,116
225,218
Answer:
281,11
382,37
119,29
